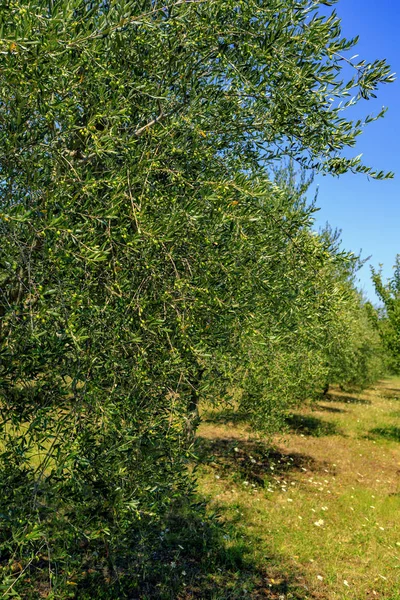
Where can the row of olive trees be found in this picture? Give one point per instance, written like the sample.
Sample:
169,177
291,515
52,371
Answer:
387,321
149,259
313,330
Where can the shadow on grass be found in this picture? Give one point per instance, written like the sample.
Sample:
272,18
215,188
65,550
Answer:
189,554
221,567
389,394
194,556
346,399
228,415
330,409
254,462
388,433
306,425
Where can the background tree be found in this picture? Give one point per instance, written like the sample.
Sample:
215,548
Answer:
354,354
388,322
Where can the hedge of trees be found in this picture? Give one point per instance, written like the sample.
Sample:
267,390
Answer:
151,258
387,318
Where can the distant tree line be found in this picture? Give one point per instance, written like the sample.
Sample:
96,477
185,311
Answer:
387,318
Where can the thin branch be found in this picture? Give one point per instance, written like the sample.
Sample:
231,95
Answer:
143,129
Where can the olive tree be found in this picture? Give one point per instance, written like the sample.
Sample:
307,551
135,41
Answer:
387,321
137,205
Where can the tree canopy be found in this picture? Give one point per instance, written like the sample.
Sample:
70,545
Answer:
389,322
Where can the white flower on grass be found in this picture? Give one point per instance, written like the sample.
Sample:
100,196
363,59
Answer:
319,523
320,577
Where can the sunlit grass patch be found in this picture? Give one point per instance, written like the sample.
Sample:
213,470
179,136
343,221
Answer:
331,518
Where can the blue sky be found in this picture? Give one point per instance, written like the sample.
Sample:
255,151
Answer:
368,211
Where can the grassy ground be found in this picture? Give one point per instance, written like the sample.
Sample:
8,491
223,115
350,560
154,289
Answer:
317,516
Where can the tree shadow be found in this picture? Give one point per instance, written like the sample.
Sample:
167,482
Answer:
196,556
330,409
225,416
253,462
390,394
221,567
312,426
346,399
391,433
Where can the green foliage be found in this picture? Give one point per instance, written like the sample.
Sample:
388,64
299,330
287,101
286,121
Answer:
388,321
354,354
314,332
148,258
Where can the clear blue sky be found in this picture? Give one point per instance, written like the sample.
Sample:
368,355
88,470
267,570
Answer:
367,211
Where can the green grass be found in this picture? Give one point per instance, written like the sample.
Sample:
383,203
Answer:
314,514
317,516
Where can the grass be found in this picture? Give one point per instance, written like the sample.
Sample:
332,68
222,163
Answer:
317,515
312,515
